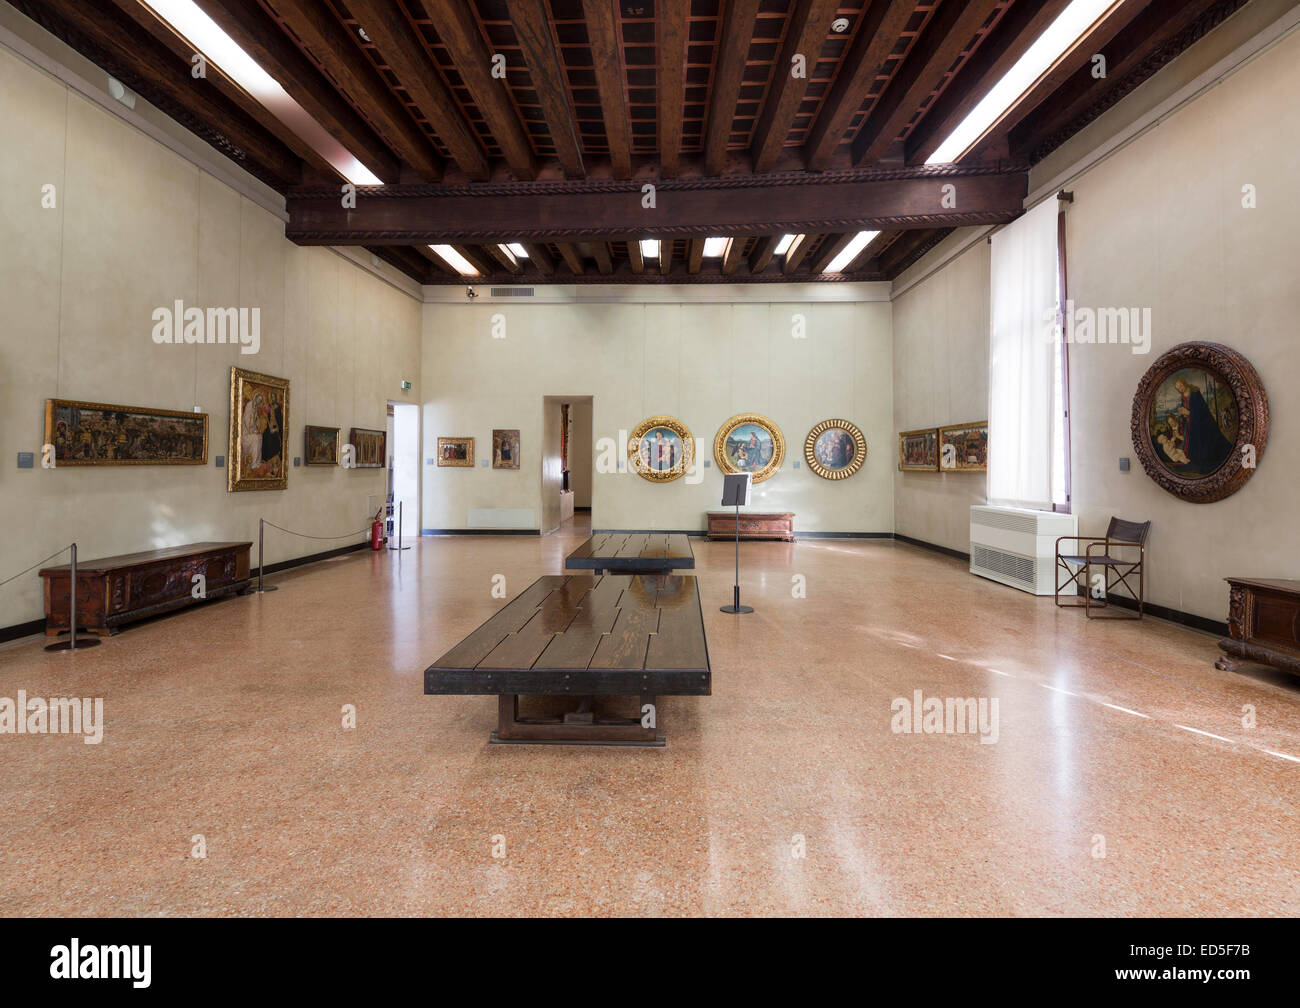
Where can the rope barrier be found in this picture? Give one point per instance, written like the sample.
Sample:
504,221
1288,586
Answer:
261,527
35,565
349,535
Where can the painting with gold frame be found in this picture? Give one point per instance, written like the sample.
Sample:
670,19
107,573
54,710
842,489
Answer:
97,434
835,449
749,442
259,418
918,450
661,449
369,448
457,452
320,445
969,444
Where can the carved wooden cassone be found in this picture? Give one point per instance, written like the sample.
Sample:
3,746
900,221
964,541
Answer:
1263,624
753,525
117,590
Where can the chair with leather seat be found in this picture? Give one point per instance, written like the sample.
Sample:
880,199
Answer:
1120,554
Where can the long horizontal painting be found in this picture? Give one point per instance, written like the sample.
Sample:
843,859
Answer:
85,433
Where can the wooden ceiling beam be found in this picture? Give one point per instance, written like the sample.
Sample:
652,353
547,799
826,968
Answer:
569,253
944,38
458,30
604,261
634,257
733,256
903,252
672,39
878,32
248,24
810,22
399,45
540,257
795,254
761,253
735,35
532,25
830,248
1010,38
872,250
332,44
508,262
516,212
607,62
478,258
694,255
406,259
665,256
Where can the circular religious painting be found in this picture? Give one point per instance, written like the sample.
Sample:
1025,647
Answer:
749,443
835,449
661,449
1200,421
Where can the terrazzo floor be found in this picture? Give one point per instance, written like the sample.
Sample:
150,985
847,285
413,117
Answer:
1122,780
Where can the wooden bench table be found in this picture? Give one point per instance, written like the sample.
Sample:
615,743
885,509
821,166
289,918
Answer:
581,636
633,553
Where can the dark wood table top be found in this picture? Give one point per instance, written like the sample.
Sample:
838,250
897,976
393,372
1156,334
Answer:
102,564
1272,584
633,551
614,634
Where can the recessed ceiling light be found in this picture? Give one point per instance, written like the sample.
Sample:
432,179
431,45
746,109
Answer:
715,248
784,244
850,251
650,248
454,259
519,251
1061,35
222,51
509,254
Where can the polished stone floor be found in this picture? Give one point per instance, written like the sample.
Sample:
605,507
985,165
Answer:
1123,779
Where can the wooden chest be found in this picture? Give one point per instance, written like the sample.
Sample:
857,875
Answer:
753,525
1263,623
117,590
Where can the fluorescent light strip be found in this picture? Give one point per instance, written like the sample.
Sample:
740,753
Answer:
1061,35
649,248
508,252
715,248
222,51
454,259
783,245
850,252
517,250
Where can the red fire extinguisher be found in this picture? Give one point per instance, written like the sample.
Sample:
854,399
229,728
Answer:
377,531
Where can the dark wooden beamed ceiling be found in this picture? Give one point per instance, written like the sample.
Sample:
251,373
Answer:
541,122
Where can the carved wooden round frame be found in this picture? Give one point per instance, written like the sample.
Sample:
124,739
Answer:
679,467
778,444
825,471
1252,428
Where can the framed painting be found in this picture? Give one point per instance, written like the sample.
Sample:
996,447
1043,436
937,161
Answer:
369,448
320,445
835,449
918,450
259,417
505,449
661,449
456,451
964,447
94,434
1200,421
749,442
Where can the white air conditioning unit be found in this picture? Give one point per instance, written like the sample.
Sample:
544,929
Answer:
1017,546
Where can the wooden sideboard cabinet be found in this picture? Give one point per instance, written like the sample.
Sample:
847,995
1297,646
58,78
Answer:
117,590
1263,624
753,525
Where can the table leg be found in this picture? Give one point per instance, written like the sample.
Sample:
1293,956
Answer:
511,728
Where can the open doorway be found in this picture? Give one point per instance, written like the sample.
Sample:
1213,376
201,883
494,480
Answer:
566,463
404,466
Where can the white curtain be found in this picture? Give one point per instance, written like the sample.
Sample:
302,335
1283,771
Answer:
1023,338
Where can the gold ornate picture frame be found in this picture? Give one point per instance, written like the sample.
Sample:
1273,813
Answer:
320,445
835,449
259,423
456,452
661,449
749,442
964,447
98,434
918,450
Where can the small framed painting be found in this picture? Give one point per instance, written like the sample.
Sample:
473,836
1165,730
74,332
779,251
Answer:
456,451
918,450
369,448
94,434
259,417
505,449
661,449
749,442
320,445
835,449
964,447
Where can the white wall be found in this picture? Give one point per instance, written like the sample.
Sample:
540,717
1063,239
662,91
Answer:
136,227
700,362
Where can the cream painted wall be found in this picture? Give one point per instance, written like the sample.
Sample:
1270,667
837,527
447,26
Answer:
941,377
137,227
700,362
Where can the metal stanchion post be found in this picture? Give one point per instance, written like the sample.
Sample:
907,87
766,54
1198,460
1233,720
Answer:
71,643
261,528
399,545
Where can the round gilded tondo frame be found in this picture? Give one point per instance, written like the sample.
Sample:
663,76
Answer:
660,462
844,471
1237,387
728,464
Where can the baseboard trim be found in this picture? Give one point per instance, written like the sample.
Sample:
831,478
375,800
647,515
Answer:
625,531
577,507
844,535
21,630
945,550
1202,623
483,531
